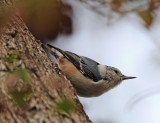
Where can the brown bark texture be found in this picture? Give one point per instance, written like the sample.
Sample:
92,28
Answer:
32,87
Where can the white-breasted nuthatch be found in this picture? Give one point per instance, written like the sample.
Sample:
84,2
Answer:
88,77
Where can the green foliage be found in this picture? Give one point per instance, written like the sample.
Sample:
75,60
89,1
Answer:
24,74
19,91
66,106
20,96
13,57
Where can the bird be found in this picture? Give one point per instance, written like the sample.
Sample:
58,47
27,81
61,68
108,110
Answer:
88,77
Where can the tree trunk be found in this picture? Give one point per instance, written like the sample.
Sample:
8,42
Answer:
32,88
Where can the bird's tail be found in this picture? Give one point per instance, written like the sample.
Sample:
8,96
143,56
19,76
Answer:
53,50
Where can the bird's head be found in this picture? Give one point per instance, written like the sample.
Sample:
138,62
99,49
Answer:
113,74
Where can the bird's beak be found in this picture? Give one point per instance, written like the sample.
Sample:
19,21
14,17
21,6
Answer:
127,77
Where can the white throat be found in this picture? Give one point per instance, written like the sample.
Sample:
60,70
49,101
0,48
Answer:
102,69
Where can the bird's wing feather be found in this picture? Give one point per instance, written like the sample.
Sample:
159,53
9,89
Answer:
86,65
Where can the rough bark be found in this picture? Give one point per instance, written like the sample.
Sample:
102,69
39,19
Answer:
27,72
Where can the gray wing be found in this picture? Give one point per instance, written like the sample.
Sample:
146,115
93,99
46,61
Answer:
87,66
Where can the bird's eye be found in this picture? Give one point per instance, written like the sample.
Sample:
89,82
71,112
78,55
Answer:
105,79
116,71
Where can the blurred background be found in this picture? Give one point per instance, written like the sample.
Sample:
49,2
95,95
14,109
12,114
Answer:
121,33
128,41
